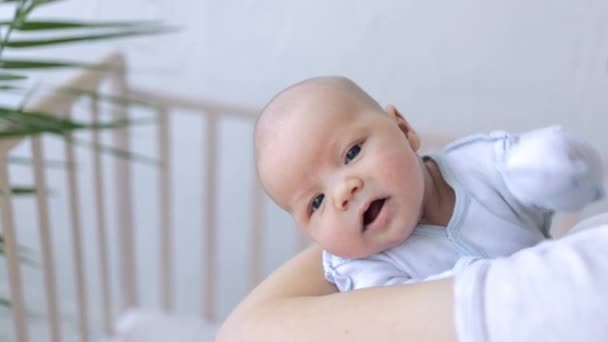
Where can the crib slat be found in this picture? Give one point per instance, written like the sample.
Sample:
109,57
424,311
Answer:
124,200
209,219
45,239
76,226
100,212
166,211
12,258
256,233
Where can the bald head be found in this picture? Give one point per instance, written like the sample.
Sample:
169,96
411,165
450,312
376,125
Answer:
309,97
295,116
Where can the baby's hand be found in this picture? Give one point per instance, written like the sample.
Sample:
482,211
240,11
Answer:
551,169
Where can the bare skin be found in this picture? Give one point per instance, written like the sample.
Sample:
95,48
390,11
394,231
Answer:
296,304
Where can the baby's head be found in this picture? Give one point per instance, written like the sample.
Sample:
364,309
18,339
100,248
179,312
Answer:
343,167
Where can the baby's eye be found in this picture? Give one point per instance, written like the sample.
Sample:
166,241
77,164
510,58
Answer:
352,153
316,202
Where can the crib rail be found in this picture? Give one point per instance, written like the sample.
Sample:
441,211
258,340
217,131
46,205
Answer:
61,102
214,112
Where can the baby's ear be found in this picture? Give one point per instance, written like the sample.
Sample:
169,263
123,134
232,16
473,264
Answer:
405,127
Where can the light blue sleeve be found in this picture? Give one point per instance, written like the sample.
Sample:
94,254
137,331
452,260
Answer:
550,169
351,274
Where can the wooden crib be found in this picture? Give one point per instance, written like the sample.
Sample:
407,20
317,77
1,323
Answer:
103,244
94,321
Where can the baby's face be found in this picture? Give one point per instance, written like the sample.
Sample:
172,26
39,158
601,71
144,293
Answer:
349,174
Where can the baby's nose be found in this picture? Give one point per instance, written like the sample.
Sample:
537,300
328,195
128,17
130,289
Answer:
346,191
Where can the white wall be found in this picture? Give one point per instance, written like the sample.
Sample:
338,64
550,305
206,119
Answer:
453,67
458,68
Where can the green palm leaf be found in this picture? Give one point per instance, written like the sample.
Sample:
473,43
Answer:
20,190
23,190
17,44
11,77
34,3
47,25
24,253
24,123
16,122
19,122
40,64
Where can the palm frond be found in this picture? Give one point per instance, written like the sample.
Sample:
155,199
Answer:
51,25
40,64
17,122
22,190
11,77
29,43
24,255
20,122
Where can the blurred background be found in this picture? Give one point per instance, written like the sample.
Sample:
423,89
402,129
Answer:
456,69
452,68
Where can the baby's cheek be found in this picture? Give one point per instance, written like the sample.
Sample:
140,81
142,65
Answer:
395,165
328,236
343,241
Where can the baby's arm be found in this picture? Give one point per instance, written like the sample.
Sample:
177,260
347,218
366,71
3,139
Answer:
352,274
550,169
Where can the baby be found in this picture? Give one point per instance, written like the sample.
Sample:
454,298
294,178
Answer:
349,174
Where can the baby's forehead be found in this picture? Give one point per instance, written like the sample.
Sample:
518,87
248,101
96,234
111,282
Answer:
306,124
301,114
328,91
292,156
285,172
297,128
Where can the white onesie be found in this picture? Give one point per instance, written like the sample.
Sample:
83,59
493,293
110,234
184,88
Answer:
507,188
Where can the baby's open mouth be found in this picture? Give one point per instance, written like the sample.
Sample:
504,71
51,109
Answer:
372,212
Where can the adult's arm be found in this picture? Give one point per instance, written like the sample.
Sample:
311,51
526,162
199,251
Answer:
296,303
555,291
